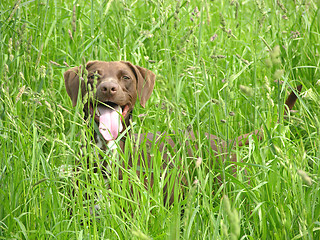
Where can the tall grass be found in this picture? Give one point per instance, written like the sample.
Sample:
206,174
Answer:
223,67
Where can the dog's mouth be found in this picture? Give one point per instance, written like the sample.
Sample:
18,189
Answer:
109,116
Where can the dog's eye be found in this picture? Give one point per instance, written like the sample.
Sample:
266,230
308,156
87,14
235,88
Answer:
126,77
93,76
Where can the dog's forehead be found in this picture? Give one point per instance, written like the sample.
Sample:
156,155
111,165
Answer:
109,68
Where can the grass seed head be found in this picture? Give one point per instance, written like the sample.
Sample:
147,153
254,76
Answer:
246,90
268,63
226,204
218,56
213,37
215,101
198,162
55,63
269,91
74,19
70,34
242,59
48,106
295,34
224,230
176,14
196,12
6,68
22,76
282,7
140,235
14,9
42,71
305,177
275,55
196,182
65,63
278,73
222,21
232,216
10,48
21,91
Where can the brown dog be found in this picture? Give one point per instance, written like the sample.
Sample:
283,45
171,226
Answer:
116,87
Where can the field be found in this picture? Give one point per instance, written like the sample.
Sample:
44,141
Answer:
224,67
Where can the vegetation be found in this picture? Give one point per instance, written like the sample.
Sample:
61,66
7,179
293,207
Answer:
223,67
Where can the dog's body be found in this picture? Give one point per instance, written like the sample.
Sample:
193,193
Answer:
116,87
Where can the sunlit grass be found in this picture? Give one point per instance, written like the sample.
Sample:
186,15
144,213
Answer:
222,67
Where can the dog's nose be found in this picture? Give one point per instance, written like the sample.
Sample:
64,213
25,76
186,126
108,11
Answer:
109,88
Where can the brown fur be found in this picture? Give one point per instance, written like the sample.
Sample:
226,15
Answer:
112,86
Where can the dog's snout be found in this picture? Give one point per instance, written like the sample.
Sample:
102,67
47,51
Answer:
109,88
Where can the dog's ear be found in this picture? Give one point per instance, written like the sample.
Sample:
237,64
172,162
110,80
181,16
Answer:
145,82
90,63
71,80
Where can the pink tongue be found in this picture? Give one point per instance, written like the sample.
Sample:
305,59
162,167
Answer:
109,122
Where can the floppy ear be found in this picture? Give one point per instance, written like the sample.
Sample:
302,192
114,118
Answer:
71,80
90,63
145,82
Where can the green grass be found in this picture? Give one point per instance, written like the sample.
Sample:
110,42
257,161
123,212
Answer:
197,86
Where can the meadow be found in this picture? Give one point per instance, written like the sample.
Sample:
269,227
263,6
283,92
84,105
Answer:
224,67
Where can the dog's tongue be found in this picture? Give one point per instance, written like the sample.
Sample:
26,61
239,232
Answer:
109,122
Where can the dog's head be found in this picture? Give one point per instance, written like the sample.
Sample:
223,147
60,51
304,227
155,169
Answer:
116,87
